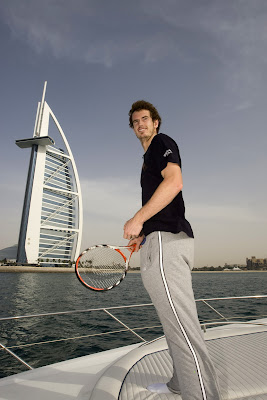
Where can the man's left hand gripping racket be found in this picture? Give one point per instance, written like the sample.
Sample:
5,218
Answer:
103,267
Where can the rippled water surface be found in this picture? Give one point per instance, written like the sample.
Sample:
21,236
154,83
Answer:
34,293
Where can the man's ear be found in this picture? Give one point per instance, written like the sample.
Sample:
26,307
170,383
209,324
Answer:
156,123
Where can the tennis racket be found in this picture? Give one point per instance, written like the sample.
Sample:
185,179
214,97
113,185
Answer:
103,267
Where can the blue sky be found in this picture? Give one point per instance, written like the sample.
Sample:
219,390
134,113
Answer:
202,63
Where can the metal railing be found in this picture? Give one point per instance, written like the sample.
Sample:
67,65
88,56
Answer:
108,310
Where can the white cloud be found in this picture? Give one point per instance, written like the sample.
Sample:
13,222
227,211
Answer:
227,232
90,31
53,27
224,232
226,213
231,33
114,198
108,204
12,193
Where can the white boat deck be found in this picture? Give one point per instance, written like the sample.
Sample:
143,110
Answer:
67,380
239,353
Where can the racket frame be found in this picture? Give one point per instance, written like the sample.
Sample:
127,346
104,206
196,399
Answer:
115,248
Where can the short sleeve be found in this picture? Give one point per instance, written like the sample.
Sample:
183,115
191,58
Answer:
165,150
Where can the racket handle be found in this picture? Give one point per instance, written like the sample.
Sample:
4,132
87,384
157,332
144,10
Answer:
143,241
133,246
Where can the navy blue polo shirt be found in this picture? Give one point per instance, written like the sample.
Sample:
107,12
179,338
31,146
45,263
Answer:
162,150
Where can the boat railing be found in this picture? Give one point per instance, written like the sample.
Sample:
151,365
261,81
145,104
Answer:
221,319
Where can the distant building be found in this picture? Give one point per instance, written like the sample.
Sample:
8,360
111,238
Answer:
235,267
256,263
51,223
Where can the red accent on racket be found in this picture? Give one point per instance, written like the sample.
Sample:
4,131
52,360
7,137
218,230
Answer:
103,267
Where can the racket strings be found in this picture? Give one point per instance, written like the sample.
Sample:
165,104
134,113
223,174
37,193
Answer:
101,267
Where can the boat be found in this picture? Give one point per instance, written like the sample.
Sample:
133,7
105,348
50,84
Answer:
237,347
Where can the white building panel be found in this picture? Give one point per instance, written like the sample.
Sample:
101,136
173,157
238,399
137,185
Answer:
54,224
33,228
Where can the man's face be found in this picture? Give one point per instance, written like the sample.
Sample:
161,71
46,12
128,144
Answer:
143,125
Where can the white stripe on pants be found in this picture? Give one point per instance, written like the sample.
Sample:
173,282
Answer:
166,263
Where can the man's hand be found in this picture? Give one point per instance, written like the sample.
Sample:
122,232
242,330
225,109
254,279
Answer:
132,228
137,241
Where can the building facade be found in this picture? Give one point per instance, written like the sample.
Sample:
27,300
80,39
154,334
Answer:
51,224
256,263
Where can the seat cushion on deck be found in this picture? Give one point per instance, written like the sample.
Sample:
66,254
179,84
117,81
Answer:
241,365
240,362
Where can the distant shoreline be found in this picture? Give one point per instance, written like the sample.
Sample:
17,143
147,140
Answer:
19,269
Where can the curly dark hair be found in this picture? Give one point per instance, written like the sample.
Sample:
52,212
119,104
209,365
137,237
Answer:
144,105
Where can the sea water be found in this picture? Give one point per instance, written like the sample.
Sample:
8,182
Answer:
38,293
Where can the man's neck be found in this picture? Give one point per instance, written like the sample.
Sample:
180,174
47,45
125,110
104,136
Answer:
146,142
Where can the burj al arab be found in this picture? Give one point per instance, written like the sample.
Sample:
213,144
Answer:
52,218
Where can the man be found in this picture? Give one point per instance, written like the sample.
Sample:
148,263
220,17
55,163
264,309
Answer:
167,258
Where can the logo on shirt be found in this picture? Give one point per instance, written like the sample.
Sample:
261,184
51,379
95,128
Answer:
167,153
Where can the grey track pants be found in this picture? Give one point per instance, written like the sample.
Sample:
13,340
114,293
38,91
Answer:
166,263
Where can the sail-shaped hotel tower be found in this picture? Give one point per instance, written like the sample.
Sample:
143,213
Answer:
51,223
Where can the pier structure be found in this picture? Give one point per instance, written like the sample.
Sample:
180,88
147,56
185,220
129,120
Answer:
52,217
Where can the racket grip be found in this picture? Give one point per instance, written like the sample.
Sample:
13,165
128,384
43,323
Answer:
133,246
143,241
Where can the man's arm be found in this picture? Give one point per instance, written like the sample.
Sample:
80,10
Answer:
171,185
